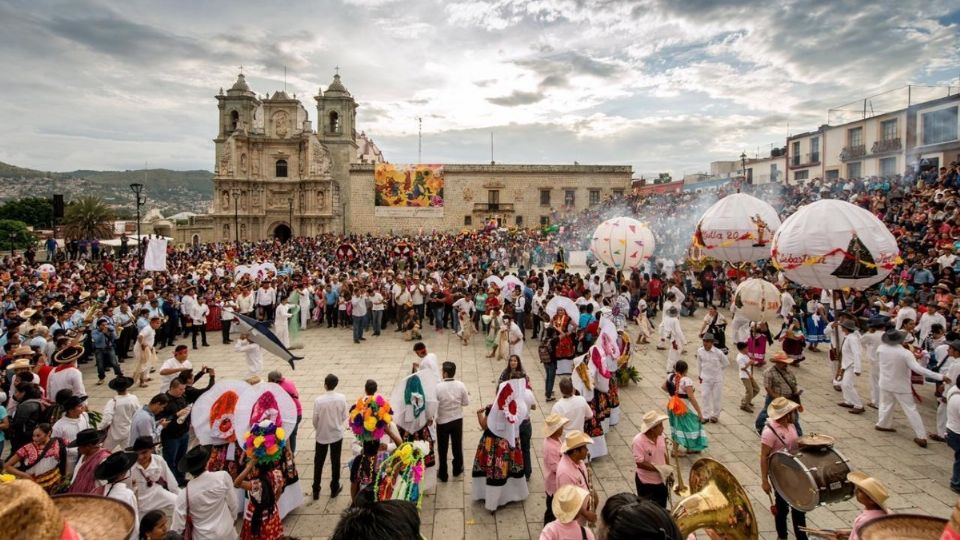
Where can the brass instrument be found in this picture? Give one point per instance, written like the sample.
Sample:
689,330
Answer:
679,488
717,501
594,503
91,312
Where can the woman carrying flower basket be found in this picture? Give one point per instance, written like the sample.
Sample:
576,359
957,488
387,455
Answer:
263,481
369,419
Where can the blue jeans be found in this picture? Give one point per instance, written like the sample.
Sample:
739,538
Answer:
173,451
551,369
377,322
438,317
762,418
107,358
455,320
526,431
357,328
953,441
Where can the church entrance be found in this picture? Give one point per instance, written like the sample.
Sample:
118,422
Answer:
282,232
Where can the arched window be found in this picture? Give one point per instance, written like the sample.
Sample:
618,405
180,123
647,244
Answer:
281,168
334,126
226,231
234,120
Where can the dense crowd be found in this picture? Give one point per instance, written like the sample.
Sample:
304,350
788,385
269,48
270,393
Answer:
62,310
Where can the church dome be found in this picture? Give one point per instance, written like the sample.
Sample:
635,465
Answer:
240,88
337,87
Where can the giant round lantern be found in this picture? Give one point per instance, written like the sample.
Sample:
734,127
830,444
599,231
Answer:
834,244
737,228
757,300
622,243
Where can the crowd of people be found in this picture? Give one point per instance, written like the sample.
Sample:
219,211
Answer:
511,287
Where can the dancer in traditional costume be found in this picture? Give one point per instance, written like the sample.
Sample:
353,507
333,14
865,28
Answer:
263,480
498,465
683,410
415,402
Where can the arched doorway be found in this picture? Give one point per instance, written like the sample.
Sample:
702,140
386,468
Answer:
282,232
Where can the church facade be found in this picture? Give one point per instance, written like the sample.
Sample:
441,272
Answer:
276,176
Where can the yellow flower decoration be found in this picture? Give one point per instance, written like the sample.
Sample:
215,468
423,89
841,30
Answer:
258,441
370,423
281,434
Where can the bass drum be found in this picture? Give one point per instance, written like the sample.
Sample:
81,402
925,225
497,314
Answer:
811,477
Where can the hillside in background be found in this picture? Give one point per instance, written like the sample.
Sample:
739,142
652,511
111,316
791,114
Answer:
169,191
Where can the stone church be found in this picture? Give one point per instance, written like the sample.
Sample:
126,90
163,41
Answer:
276,176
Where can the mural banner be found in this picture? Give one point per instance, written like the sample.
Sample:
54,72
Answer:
408,190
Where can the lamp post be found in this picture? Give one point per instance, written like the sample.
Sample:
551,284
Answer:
13,236
137,189
236,214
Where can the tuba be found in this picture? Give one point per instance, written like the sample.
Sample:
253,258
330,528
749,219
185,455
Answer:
717,501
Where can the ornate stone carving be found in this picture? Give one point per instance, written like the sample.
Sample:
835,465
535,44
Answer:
494,184
225,200
243,164
321,163
257,156
281,124
467,195
226,161
320,199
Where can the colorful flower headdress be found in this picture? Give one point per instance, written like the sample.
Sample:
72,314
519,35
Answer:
369,417
265,442
400,475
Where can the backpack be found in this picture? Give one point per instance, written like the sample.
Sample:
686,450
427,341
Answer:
544,352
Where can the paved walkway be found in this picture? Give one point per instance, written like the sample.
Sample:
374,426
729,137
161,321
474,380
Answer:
917,478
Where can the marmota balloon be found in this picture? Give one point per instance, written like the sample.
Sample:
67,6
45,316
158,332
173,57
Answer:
622,243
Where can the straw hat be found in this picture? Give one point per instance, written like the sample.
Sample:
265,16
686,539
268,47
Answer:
849,325
574,439
20,363
552,423
780,407
567,502
871,486
22,350
97,517
84,295
27,313
68,354
650,420
781,357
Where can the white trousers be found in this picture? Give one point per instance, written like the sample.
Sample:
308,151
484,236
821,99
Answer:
849,387
673,355
711,392
875,382
887,399
739,329
941,417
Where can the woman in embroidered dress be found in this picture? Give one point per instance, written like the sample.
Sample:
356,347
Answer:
498,476
415,402
686,430
263,481
43,461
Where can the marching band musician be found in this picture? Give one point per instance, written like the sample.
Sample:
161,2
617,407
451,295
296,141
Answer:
649,451
572,469
780,433
872,494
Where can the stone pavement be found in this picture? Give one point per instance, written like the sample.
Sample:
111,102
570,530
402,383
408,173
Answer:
917,478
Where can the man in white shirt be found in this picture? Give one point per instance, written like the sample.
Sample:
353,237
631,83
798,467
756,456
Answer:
427,360
114,470
712,363
452,397
212,501
253,353
266,297
671,335
174,366
281,326
870,342
896,363
514,336
905,312
358,306
329,416
850,367
574,408
949,363
930,318
228,307
66,374
787,303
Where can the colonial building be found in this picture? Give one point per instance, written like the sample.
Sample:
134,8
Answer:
275,176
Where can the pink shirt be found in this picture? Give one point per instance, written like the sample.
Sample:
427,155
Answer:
291,389
565,531
551,458
788,433
863,517
647,451
569,472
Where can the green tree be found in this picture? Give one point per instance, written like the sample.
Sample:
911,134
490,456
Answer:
88,218
34,211
14,233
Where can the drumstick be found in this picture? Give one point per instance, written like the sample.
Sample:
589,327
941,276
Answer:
773,506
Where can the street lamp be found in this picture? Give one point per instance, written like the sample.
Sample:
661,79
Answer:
137,189
236,215
13,236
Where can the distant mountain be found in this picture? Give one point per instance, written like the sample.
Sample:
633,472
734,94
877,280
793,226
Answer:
169,191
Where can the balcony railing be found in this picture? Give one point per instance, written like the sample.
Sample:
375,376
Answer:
493,207
853,152
804,160
887,145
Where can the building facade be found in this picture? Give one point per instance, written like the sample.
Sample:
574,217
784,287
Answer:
275,176
512,195
804,157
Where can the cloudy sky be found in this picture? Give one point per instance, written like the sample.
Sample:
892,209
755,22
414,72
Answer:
662,85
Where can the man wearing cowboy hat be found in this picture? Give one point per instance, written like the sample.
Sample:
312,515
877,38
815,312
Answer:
202,501
896,363
779,381
92,453
151,478
569,507
650,454
114,470
572,468
850,367
73,421
872,494
552,431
